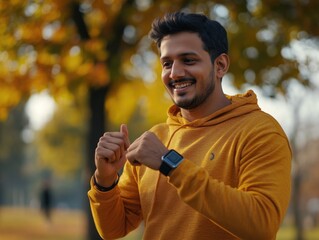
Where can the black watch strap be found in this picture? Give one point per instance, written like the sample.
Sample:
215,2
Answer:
165,168
106,189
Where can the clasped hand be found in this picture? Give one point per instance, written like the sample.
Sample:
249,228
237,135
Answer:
114,148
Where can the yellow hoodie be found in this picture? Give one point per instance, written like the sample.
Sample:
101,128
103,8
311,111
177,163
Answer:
234,182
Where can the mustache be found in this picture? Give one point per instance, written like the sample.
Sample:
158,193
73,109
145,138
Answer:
186,79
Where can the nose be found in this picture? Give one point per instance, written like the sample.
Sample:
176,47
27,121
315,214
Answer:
177,71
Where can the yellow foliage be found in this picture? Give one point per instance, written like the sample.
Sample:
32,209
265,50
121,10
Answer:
96,47
9,97
61,142
46,58
3,5
64,96
72,61
157,103
85,68
60,80
39,79
7,41
11,3
60,35
122,102
158,99
30,32
99,75
4,71
60,155
3,113
149,99
96,19
50,11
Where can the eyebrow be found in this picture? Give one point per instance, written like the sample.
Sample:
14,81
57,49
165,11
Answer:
180,55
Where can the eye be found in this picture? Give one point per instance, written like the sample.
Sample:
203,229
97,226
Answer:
189,61
166,64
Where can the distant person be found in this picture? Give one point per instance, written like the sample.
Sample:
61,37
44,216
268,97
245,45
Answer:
46,199
219,168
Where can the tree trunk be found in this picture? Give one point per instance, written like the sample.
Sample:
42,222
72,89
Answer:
96,130
96,122
296,206
97,96
297,175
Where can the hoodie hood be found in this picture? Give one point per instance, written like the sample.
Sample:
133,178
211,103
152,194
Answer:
240,104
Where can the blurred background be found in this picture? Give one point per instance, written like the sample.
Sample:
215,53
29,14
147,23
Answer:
70,70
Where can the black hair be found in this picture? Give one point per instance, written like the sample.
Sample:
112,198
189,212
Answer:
211,32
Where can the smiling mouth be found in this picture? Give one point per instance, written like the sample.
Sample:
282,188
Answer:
180,84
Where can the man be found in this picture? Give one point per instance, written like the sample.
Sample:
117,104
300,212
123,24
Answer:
219,168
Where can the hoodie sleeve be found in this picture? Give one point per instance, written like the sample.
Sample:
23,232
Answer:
116,212
255,208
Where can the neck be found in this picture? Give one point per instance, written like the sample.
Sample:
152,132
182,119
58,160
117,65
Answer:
210,106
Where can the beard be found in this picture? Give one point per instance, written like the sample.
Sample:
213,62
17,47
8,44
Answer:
198,99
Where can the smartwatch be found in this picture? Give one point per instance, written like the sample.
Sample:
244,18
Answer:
170,161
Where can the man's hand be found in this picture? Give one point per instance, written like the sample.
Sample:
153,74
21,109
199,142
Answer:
147,150
110,155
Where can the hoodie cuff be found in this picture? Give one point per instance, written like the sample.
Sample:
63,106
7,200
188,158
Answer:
99,196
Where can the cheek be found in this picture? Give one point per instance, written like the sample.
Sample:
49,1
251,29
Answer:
165,77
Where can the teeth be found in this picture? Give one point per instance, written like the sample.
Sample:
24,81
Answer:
182,85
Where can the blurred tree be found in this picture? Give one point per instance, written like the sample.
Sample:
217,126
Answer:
59,45
304,134
61,143
13,178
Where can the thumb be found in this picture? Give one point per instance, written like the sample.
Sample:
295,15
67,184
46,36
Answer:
124,130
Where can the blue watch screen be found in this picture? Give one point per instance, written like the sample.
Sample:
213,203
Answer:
174,157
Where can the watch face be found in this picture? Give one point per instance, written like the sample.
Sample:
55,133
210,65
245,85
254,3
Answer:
173,158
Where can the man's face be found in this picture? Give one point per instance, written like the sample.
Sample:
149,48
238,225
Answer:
187,70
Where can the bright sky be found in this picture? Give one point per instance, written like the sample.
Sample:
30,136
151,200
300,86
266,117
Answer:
276,107
39,109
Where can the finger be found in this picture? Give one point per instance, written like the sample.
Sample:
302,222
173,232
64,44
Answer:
109,150
104,155
114,138
113,134
124,130
132,158
135,163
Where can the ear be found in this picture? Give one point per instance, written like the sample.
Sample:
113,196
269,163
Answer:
221,64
